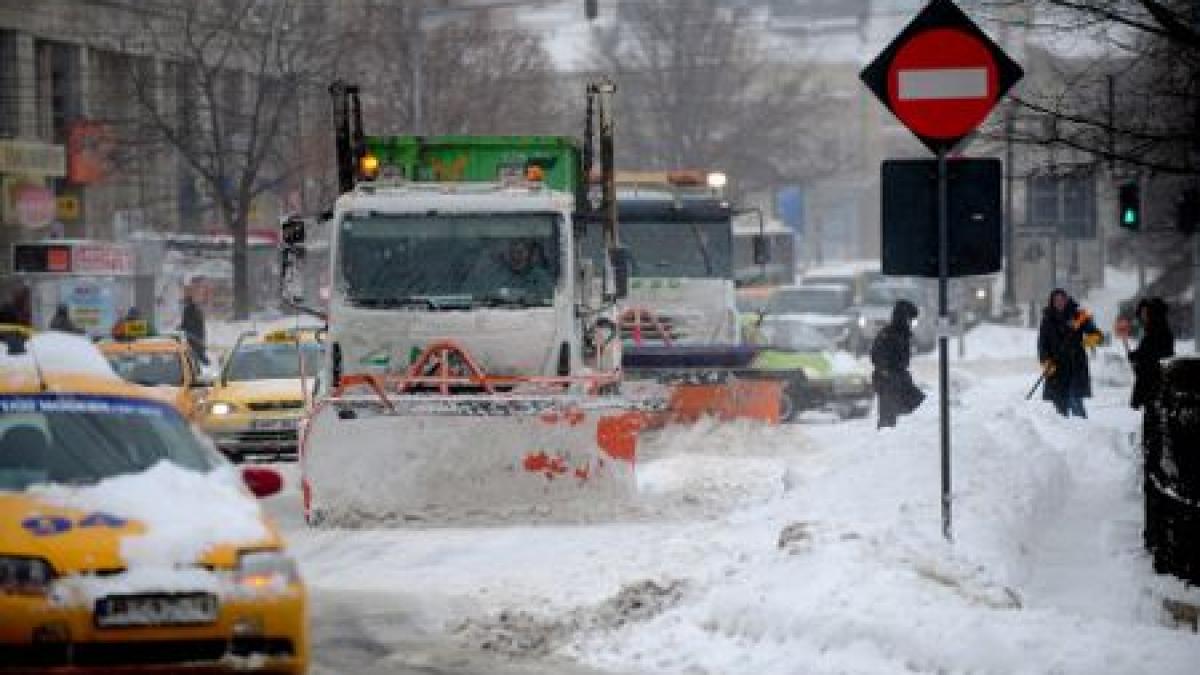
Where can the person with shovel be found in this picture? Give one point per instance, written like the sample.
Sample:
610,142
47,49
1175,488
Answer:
1065,333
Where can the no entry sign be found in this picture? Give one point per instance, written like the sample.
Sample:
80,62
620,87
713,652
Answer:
941,76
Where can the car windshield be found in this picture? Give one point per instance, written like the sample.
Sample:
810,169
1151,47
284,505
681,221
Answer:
795,336
809,300
51,438
148,369
450,261
272,361
888,294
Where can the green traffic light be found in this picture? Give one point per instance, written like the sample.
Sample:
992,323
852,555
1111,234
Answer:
1129,217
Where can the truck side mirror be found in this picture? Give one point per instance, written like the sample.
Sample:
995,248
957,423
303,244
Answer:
619,256
762,254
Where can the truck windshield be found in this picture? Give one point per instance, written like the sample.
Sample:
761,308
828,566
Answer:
695,250
448,261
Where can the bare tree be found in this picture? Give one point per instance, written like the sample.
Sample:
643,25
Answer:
697,90
225,91
1145,52
452,72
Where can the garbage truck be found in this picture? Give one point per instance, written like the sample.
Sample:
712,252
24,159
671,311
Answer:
472,358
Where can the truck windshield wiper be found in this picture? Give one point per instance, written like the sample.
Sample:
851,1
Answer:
509,301
435,303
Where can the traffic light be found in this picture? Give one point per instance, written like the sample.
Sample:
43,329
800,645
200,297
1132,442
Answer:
591,9
1187,211
1129,199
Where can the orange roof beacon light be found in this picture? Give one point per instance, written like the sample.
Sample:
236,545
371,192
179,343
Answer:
368,167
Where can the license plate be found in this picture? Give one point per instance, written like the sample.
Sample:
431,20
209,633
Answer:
273,424
175,609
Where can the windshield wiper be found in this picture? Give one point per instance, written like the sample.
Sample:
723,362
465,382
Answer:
434,303
509,301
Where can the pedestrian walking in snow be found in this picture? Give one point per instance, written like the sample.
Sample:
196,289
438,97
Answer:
61,320
1065,333
191,324
1157,343
890,355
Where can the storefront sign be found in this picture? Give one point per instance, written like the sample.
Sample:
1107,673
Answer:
35,159
103,259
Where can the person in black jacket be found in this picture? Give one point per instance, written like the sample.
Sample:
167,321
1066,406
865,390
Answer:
1157,343
62,320
890,354
191,324
1065,332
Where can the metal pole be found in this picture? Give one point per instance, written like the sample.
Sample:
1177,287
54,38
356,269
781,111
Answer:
943,338
418,67
1010,294
1196,292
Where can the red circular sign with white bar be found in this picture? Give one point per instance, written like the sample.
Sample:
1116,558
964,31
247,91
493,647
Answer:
942,83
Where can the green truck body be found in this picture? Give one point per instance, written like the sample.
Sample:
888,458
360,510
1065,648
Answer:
479,158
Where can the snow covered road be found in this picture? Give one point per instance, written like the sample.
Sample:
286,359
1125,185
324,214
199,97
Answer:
804,549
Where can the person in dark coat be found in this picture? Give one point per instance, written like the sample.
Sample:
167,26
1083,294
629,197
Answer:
61,320
1065,332
191,324
1157,343
890,354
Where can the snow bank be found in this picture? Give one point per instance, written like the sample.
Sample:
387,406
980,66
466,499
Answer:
1045,574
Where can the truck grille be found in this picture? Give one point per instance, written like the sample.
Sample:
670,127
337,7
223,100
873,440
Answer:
282,436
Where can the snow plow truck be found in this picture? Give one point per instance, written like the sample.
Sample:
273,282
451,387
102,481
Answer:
473,362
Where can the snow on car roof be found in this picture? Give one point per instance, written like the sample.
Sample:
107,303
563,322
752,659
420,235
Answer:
59,354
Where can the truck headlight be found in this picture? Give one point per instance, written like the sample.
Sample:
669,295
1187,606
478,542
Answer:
262,569
19,574
980,293
862,322
220,408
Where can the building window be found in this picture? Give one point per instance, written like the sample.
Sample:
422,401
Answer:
10,83
58,91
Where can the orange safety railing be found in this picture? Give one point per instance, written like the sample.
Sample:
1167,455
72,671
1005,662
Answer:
445,365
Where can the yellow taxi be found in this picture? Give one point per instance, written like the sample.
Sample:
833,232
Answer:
255,406
164,364
13,337
127,543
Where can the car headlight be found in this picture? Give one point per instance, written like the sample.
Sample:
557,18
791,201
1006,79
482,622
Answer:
980,293
19,574
263,569
220,408
862,322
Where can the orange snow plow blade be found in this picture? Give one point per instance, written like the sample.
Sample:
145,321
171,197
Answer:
735,399
389,449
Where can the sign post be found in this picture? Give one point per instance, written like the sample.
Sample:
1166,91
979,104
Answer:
941,76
